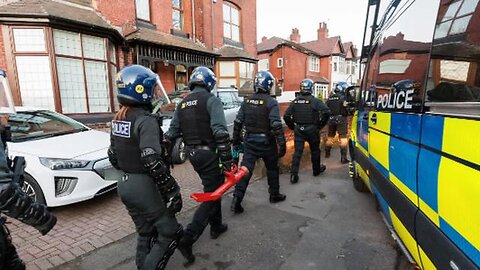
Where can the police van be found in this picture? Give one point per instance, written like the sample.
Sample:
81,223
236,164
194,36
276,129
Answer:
415,138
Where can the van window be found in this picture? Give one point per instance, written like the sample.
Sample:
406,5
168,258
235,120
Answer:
453,85
402,57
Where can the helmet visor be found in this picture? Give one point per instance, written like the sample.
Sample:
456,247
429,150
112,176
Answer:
6,100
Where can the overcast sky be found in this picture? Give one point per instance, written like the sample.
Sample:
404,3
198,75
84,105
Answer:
345,18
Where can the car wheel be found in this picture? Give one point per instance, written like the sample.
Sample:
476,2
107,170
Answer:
179,154
32,189
358,183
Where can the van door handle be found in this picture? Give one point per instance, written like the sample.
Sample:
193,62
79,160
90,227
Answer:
365,116
374,118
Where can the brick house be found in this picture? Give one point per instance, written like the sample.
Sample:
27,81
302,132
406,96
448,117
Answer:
63,54
326,61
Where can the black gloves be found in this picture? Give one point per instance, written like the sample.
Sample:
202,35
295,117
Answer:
277,130
173,198
222,139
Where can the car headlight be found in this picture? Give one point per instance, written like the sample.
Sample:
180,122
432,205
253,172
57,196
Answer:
62,164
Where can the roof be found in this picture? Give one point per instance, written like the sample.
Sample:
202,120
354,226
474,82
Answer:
232,52
152,36
274,42
398,43
318,79
323,47
54,9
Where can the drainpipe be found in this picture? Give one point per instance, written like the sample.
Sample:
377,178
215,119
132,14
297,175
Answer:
193,21
213,24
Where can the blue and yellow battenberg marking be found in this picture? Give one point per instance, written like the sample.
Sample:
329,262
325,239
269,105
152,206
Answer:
434,161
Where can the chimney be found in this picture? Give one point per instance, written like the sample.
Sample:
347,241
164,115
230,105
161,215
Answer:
322,31
295,36
264,38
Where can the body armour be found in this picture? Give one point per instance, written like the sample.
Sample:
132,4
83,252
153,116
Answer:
126,142
335,104
257,114
303,110
195,120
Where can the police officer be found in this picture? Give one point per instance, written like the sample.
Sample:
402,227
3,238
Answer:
306,115
338,120
150,194
261,118
200,120
13,201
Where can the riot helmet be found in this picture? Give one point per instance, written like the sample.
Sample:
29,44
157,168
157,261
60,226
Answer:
202,76
306,86
341,88
264,82
136,85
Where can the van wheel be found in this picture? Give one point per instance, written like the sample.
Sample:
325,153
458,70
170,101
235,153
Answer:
358,183
179,154
33,190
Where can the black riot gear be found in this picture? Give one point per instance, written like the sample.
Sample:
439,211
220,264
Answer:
200,120
193,112
256,114
306,115
337,123
259,114
13,200
150,194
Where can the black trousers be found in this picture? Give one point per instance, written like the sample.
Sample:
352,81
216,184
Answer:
153,222
9,259
310,134
338,124
258,146
206,164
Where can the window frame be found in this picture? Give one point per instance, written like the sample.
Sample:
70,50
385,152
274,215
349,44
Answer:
314,64
180,10
451,21
232,6
149,11
280,62
108,61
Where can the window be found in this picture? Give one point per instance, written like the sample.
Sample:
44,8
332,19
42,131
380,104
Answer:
335,66
177,14
263,65
231,22
82,70
235,73
33,67
456,18
279,62
246,71
143,9
342,65
314,64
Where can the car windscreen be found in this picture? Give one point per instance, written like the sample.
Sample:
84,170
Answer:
41,124
229,100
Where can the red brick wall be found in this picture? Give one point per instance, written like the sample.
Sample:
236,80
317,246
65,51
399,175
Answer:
295,64
167,75
3,58
121,14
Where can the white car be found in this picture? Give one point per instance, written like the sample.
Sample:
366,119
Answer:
66,161
231,104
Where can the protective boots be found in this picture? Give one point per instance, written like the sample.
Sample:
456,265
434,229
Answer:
236,206
344,159
294,178
327,152
321,169
216,231
277,197
185,247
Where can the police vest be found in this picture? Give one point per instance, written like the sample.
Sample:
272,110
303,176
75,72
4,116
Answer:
127,143
304,112
195,120
257,114
335,104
